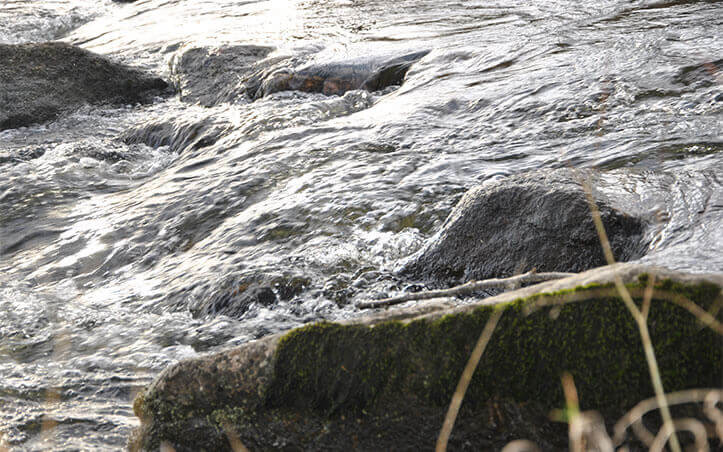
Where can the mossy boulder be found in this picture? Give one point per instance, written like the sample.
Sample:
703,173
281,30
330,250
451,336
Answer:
385,381
539,219
40,81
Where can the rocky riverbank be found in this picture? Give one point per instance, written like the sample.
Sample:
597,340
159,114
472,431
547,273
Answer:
386,380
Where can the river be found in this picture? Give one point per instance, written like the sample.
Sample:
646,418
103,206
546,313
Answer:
124,230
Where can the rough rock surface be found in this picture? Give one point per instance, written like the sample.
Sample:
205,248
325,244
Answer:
39,81
336,78
536,220
384,382
231,74
210,76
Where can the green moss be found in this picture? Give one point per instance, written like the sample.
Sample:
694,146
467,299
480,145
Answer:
344,378
138,405
338,368
226,417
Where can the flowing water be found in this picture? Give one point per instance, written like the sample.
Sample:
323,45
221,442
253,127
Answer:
125,231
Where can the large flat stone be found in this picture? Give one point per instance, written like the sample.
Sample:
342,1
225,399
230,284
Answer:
385,381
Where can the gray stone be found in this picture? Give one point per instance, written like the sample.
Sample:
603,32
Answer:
536,220
335,78
233,74
210,76
40,81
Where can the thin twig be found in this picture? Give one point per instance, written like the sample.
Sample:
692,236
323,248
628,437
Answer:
655,378
464,381
512,282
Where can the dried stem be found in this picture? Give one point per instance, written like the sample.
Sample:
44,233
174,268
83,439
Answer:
512,282
612,292
464,381
668,425
634,417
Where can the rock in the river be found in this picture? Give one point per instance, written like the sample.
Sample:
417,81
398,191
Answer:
536,220
371,74
39,81
237,296
384,382
210,76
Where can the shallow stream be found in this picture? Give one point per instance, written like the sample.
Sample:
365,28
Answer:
123,230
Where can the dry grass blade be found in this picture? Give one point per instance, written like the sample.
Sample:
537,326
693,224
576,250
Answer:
512,282
586,430
521,445
3,448
633,417
648,296
713,413
465,379
612,292
639,319
166,447
574,420
233,439
691,425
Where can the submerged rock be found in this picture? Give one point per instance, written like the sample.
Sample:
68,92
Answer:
210,76
384,382
179,133
536,220
336,78
230,74
238,296
39,81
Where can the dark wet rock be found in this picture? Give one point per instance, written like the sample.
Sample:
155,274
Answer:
179,133
336,78
40,81
238,296
536,220
22,155
212,76
699,75
384,382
